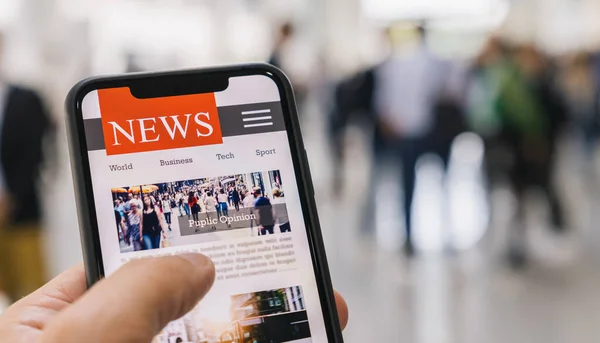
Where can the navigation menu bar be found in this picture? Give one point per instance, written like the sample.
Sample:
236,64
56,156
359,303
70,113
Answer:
248,119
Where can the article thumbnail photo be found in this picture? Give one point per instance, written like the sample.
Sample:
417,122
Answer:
273,316
160,215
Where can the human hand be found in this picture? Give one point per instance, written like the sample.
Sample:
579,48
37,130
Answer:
62,311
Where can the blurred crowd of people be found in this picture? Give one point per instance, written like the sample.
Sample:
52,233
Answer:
517,98
514,96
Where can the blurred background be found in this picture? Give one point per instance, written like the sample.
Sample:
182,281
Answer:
453,146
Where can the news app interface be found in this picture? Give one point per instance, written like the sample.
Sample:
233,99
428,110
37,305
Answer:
209,173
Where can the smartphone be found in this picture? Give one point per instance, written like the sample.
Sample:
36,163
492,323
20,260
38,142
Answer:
208,161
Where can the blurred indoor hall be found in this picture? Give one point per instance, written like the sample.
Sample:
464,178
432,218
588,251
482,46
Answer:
506,187
460,286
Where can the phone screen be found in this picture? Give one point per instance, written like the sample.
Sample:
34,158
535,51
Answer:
209,173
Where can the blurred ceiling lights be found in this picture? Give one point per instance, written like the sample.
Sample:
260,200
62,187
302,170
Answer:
9,10
484,14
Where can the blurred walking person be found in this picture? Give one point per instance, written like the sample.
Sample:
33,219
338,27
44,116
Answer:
230,196
166,208
407,89
186,205
486,79
280,211
136,199
532,116
223,198
236,199
224,209
25,129
211,206
192,202
248,203
202,200
134,230
248,199
264,213
151,228
284,35
127,208
352,102
281,57
581,91
120,221
179,202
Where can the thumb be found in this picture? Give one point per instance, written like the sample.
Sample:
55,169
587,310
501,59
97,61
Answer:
136,302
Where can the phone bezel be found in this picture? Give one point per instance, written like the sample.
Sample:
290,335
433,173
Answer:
83,183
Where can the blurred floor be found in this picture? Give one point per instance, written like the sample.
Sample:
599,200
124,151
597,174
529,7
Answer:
458,295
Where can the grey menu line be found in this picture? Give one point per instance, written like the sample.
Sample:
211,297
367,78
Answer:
257,125
256,112
257,118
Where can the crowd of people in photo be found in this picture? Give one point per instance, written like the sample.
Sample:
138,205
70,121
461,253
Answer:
140,221
217,202
144,216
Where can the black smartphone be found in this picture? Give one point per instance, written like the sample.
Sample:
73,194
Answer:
209,161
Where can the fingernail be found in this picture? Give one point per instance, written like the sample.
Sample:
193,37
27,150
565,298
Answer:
197,259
